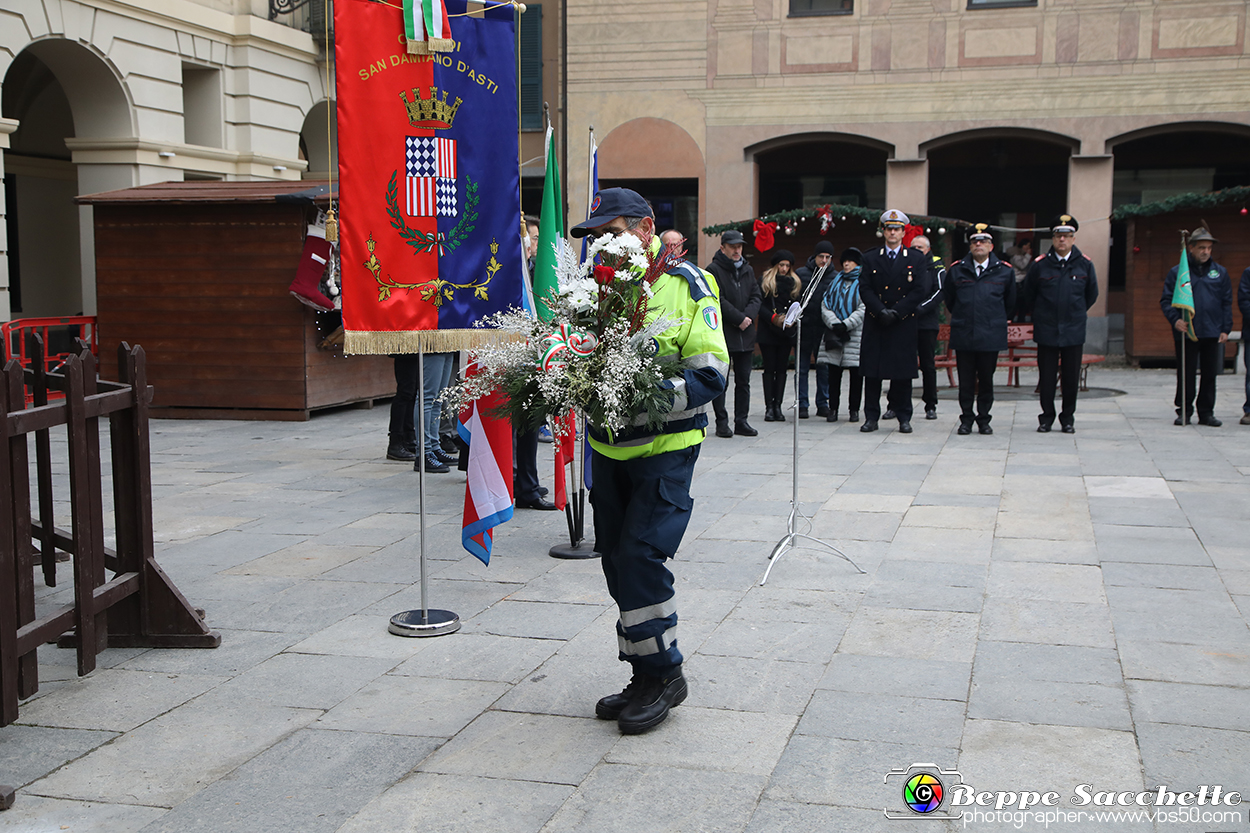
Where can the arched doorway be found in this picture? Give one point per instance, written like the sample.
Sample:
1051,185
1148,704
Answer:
1017,179
661,161
804,172
319,142
56,90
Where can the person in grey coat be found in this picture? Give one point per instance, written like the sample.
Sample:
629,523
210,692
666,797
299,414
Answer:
842,313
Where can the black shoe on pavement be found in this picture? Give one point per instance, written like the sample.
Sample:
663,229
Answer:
869,426
398,452
985,429
1044,428
1179,421
904,427
723,430
539,502
744,430
610,707
1210,420
1245,419
853,416
1068,429
433,465
889,414
930,413
770,415
832,416
803,414
650,704
543,491
449,459
964,428
822,411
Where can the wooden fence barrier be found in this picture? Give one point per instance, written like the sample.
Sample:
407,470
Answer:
138,606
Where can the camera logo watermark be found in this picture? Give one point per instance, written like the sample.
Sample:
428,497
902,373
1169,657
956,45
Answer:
925,790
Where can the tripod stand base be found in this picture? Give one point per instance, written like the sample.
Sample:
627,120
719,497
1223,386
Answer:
429,622
571,551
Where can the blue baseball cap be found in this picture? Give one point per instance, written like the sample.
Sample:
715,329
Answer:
609,204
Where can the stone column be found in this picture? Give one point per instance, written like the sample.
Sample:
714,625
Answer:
907,185
7,126
1089,201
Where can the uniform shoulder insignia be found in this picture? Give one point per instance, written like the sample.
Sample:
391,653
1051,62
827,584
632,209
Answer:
1087,257
699,288
1039,258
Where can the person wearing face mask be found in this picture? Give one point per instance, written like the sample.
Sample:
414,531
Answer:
1059,288
641,495
780,289
842,311
893,283
739,309
1212,322
980,292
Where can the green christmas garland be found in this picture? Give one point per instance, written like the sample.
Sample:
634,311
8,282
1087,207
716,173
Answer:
840,213
1183,202
1180,202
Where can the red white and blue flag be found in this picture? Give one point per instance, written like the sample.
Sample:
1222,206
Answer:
488,491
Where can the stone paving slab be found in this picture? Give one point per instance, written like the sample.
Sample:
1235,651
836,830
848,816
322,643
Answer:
1036,610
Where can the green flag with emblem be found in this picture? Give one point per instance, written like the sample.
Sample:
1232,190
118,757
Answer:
1183,294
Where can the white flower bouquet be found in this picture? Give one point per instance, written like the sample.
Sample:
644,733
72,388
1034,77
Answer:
597,353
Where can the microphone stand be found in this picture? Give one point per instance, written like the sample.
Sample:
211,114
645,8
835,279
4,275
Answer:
788,541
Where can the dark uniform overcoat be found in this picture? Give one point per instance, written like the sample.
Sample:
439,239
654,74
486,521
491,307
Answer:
901,284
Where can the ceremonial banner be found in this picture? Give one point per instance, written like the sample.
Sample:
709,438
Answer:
488,487
428,193
1183,294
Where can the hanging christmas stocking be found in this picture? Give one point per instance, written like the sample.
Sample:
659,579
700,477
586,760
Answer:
312,265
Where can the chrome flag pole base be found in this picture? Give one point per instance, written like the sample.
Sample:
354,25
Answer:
424,623
571,551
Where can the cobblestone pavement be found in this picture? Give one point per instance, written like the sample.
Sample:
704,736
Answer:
1037,611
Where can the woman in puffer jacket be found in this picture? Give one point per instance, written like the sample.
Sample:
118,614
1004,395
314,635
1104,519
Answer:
780,288
843,314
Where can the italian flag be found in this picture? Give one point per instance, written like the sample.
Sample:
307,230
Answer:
427,27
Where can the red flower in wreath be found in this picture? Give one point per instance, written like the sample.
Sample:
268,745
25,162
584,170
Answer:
604,275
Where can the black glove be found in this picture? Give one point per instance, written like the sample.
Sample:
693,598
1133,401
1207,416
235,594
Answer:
887,317
840,330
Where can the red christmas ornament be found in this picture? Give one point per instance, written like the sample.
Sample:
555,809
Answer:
1244,212
604,275
764,235
1136,249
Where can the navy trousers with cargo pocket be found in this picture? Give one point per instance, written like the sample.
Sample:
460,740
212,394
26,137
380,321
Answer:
641,509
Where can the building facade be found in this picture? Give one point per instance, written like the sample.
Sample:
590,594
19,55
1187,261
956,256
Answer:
1006,112
104,95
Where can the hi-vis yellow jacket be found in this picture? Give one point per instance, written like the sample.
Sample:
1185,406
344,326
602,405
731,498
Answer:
689,295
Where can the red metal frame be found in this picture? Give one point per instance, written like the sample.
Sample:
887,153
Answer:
14,335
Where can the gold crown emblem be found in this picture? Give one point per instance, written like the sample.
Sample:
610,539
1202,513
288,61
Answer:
432,112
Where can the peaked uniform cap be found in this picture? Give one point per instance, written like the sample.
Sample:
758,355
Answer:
894,217
1064,224
981,231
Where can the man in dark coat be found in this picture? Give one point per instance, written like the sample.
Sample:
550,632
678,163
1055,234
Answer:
894,281
740,300
927,327
1059,287
814,328
980,292
1212,322
1243,304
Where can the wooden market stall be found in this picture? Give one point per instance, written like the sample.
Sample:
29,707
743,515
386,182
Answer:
1154,247
198,274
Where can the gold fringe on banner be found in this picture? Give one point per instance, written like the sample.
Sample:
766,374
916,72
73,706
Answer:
417,341
430,46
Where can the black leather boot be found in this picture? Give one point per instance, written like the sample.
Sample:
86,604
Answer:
650,702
